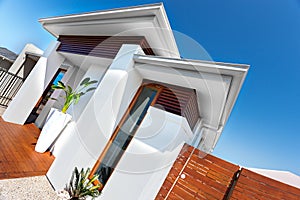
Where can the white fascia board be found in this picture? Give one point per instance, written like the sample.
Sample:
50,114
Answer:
194,65
118,13
161,21
238,73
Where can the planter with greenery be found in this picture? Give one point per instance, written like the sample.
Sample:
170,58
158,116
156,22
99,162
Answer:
57,120
80,186
72,96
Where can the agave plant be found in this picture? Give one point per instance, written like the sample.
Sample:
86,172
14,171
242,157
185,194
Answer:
73,96
80,186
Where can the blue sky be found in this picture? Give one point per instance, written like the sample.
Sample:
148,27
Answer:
263,130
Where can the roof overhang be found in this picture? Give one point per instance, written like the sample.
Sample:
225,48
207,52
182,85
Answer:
149,21
5,58
217,85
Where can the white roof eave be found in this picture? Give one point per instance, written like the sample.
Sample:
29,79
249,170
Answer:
238,73
153,14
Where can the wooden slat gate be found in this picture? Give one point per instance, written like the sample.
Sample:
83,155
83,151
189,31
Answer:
251,185
195,175
9,86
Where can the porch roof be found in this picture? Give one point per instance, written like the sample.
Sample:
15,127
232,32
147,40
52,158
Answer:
149,21
217,85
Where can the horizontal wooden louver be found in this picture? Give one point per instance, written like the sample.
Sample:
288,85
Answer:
180,101
200,176
197,175
100,46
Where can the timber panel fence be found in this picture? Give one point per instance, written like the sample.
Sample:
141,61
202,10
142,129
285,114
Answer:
196,175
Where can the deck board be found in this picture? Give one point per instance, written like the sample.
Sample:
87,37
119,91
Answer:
17,155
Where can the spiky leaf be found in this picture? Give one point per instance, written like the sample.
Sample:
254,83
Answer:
82,186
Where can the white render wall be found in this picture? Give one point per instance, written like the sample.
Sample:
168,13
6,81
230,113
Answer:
89,135
151,153
94,72
33,87
149,157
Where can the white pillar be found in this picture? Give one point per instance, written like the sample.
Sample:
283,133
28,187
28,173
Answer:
89,135
33,87
22,57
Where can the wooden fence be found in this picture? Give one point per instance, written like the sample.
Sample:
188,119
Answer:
251,185
196,175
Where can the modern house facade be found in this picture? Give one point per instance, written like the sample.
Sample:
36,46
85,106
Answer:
148,103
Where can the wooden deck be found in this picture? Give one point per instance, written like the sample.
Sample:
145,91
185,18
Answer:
17,155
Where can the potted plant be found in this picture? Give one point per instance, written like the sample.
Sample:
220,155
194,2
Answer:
73,96
57,120
80,186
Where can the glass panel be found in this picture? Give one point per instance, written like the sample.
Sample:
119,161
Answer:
125,134
49,92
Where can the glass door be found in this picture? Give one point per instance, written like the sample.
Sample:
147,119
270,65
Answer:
124,132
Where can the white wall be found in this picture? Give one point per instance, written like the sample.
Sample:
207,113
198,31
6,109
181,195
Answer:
94,72
32,89
149,157
151,153
98,119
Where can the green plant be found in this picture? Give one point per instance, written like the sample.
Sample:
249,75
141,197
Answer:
80,186
73,96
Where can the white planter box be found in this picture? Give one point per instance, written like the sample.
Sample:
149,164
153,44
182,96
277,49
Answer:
55,123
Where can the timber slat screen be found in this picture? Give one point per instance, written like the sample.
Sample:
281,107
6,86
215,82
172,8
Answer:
9,86
251,185
17,155
100,46
180,101
196,175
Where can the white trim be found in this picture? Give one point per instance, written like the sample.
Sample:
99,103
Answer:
125,12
